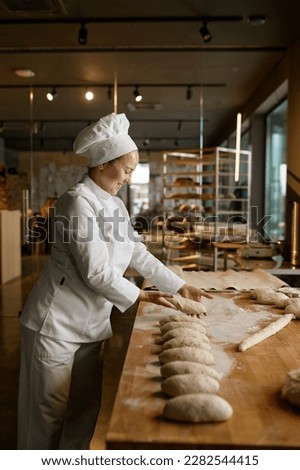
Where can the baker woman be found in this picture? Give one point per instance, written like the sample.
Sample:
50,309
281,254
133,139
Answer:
67,315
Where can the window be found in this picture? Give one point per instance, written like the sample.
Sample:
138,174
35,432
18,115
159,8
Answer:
139,190
276,170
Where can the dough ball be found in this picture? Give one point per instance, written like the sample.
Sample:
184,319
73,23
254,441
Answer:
260,291
293,306
189,383
253,294
291,387
181,317
186,367
182,324
291,292
198,408
186,353
184,333
188,306
264,293
281,302
270,297
181,341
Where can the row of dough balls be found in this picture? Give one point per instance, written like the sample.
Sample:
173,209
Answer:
189,378
282,299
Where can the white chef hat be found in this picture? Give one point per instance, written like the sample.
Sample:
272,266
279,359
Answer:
104,140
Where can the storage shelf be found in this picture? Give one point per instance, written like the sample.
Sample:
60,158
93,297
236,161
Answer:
189,173
213,175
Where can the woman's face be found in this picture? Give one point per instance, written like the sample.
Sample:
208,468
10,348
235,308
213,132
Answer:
113,175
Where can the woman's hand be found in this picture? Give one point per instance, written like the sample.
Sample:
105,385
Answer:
191,292
156,297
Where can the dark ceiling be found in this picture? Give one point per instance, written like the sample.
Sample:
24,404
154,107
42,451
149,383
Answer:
155,45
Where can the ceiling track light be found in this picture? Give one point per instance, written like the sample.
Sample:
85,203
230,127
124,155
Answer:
51,94
24,73
257,20
89,95
82,34
137,95
205,34
189,93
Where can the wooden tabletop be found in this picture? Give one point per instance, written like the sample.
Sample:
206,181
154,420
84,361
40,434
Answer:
252,382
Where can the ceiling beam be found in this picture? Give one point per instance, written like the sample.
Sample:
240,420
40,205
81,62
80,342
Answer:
137,49
120,85
128,19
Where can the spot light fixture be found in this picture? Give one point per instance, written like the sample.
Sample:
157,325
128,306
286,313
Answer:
82,34
189,93
24,73
257,20
89,95
205,34
51,94
137,95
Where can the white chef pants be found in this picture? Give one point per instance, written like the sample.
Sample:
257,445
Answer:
59,392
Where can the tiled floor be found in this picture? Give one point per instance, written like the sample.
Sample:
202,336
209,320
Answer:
12,297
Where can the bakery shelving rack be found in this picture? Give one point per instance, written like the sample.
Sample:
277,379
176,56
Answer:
203,204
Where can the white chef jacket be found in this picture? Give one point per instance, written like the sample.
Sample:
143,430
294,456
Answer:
93,246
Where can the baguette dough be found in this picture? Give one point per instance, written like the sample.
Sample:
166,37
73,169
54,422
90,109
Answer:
197,408
290,291
291,387
184,333
270,297
266,332
186,353
182,324
188,306
172,318
181,341
293,307
186,367
259,291
189,383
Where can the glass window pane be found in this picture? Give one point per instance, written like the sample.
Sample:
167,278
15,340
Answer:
275,180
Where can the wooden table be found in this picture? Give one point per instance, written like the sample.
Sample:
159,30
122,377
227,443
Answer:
225,247
251,383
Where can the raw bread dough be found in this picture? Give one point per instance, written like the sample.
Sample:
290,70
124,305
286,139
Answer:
188,306
182,324
291,388
293,307
189,383
198,408
266,332
270,297
291,292
181,341
281,302
184,333
186,353
186,367
260,291
172,318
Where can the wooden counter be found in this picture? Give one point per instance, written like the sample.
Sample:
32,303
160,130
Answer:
251,383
